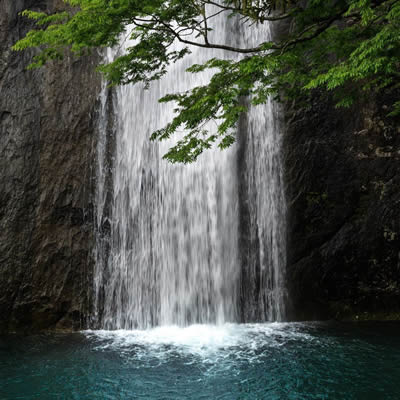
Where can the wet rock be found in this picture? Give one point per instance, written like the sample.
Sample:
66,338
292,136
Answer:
343,178
47,132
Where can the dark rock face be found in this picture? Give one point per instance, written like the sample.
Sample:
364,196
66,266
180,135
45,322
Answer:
46,153
343,178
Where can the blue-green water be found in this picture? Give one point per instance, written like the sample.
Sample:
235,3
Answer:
266,361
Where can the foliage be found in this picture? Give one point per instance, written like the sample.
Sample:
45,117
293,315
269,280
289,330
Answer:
348,47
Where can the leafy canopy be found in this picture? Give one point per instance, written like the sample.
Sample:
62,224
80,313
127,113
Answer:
348,47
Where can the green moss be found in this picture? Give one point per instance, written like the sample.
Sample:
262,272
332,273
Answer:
314,198
345,312
374,316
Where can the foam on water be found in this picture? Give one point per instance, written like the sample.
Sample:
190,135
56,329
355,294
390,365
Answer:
200,362
205,341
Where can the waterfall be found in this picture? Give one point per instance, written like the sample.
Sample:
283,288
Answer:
168,246
263,216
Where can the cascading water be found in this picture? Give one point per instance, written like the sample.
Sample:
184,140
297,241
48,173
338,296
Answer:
263,204
170,254
263,230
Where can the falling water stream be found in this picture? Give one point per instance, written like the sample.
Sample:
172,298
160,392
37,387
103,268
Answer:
190,265
171,254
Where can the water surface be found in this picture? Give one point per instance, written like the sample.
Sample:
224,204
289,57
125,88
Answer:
251,361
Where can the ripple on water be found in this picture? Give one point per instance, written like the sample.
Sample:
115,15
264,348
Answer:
254,361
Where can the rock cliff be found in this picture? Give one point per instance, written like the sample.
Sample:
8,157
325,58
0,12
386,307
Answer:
46,151
343,179
343,194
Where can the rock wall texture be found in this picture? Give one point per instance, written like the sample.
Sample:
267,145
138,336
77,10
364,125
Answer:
46,152
343,189
343,179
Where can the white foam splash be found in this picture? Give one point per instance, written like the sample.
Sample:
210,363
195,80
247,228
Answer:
199,340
